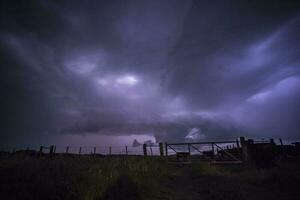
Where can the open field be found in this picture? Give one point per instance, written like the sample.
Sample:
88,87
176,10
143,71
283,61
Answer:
91,178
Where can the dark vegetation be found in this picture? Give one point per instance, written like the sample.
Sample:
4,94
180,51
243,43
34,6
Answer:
98,178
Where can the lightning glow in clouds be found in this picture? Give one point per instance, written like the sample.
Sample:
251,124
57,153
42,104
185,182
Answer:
165,69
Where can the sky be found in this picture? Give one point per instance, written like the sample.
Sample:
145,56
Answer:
161,70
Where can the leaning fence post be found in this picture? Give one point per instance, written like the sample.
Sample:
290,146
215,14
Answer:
161,149
145,149
237,144
280,140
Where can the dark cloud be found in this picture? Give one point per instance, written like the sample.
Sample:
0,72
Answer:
150,67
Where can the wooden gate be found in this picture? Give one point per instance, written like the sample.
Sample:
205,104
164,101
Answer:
217,151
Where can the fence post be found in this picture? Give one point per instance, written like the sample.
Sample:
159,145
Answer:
280,140
213,150
95,150
244,149
189,148
145,149
54,150
151,150
110,150
41,150
51,151
126,150
166,149
67,149
161,149
237,144
272,141
79,150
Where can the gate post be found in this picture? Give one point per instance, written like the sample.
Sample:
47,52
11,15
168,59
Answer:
166,149
244,149
161,149
145,149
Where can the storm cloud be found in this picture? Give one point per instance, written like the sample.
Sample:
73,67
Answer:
150,67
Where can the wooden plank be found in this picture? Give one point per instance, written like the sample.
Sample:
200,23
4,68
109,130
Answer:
196,148
172,148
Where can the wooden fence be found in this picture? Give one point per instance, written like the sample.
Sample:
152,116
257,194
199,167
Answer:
238,151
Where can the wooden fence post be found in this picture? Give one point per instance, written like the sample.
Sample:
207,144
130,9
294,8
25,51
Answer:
244,149
51,151
213,150
126,150
79,150
95,150
189,148
166,149
237,144
54,150
161,149
41,150
280,140
145,149
67,149
109,150
151,150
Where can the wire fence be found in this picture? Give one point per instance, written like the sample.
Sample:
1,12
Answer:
152,150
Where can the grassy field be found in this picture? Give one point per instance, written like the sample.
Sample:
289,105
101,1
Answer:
95,178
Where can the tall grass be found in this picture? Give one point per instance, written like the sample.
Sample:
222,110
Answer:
82,177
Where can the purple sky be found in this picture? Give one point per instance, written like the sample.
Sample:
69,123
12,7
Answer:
96,69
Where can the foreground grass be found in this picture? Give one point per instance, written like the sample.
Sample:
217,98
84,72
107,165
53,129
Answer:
133,178
79,178
239,182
